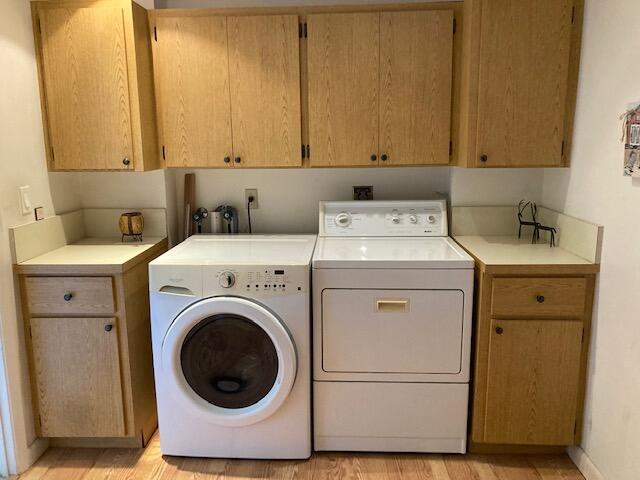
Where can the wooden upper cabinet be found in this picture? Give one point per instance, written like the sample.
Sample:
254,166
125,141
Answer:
264,60
96,88
343,57
192,78
415,87
525,55
532,381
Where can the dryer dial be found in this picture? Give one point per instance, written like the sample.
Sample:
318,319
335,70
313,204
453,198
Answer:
343,219
227,279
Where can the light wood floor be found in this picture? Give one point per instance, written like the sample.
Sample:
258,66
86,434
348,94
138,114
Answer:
148,464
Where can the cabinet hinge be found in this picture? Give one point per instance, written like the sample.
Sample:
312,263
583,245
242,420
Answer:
308,151
450,148
573,13
455,24
302,30
30,334
164,155
53,154
40,420
155,33
562,149
39,26
575,428
304,152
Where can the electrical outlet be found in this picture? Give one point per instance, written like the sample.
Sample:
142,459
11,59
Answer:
251,192
363,192
25,199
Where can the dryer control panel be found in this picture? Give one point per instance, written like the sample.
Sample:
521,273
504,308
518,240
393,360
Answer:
420,218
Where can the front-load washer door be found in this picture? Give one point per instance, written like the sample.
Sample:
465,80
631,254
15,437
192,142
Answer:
392,331
231,360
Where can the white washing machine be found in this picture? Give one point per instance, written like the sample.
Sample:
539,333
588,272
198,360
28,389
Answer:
230,324
392,300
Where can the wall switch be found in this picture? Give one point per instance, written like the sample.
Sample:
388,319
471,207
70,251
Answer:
25,199
251,192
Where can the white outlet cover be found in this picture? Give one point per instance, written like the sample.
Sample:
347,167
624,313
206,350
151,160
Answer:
25,199
254,193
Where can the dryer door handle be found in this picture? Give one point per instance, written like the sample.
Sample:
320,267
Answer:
386,305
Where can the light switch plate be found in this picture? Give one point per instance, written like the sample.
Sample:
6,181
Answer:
25,199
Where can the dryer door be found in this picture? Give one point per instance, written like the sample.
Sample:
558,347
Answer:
232,361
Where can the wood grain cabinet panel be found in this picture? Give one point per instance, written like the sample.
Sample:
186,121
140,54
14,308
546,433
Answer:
523,75
536,297
416,55
87,89
264,74
192,77
77,369
533,377
70,295
343,64
96,85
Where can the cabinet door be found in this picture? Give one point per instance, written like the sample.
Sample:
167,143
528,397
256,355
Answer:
192,73
86,88
532,384
524,62
343,61
77,370
264,61
416,55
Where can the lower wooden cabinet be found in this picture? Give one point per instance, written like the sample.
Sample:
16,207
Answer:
531,345
78,378
89,343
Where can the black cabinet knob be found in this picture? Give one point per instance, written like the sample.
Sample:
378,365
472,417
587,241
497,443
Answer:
384,157
68,296
374,157
227,159
237,160
540,298
108,327
499,330
126,161
484,158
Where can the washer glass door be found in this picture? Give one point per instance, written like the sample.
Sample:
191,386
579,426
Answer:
231,359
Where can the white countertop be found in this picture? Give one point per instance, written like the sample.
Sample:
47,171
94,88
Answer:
94,251
510,250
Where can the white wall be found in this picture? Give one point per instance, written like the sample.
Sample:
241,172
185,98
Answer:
594,189
21,163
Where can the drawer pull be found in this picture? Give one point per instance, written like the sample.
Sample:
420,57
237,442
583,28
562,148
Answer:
540,298
108,327
392,305
68,296
499,330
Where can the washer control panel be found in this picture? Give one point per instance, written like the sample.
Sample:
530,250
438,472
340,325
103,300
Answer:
240,279
423,218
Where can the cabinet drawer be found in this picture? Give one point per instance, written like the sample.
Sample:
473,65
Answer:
70,295
558,297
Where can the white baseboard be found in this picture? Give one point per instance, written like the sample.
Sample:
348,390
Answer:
584,463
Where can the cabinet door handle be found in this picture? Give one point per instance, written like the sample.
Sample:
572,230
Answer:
540,298
499,330
227,159
374,157
68,296
484,158
237,160
384,157
126,161
108,327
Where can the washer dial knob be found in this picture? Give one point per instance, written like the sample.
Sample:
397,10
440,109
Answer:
343,219
227,279
431,219
413,218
